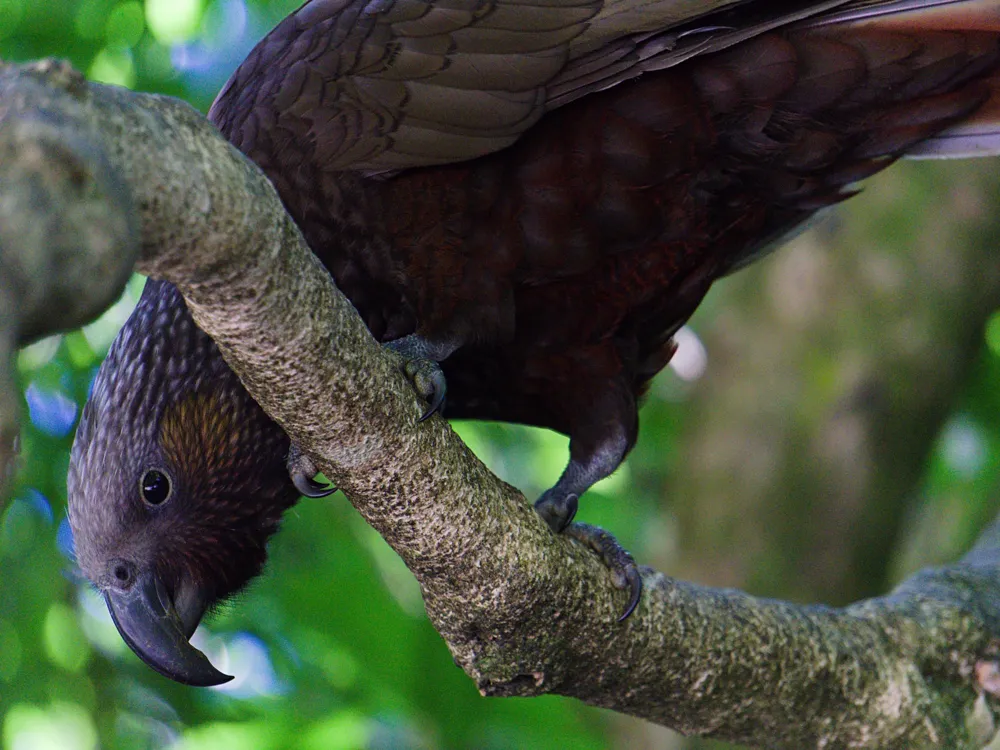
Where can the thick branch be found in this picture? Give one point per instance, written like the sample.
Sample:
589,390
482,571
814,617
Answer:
69,234
523,611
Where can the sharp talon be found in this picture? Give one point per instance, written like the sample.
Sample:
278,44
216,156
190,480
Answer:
439,389
301,471
321,489
309,487
634,581
615,558
572,504
558,512
428,380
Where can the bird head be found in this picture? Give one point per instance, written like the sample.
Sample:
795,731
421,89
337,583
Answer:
177,480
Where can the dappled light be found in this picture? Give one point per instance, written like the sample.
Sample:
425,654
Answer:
331,648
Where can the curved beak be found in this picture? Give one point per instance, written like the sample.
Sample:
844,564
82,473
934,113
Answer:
149,623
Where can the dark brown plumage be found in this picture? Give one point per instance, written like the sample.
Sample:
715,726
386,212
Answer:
537,197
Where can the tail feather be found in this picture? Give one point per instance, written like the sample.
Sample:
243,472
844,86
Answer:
915,15
979,134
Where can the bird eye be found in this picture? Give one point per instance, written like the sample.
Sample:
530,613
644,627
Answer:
155,487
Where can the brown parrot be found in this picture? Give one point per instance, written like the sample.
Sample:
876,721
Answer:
525,198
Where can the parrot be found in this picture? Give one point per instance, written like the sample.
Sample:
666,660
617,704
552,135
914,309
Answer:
525,200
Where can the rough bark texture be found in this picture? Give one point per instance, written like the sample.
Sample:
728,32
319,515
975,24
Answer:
523,611
69,234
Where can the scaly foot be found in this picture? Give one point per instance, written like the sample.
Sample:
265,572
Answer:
615,557
558,510
588,464
423,370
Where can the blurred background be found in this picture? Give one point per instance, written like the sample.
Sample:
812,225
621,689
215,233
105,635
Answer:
831,424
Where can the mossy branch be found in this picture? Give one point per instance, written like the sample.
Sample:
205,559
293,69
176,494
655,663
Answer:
523,611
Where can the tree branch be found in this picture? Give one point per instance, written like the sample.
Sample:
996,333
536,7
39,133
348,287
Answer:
523,611
69,235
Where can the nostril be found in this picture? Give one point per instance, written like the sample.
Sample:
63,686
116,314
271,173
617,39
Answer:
122,573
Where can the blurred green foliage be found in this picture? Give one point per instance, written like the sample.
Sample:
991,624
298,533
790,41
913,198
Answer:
331,647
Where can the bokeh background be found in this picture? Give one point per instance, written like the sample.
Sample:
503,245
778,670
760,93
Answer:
832,423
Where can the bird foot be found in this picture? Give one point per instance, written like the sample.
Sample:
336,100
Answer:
302,471
616,558
422,371
429,382
558,511
557,508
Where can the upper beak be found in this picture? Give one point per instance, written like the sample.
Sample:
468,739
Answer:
148,622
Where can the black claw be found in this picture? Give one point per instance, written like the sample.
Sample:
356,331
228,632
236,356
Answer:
429,381
309,487
439,389
615,557
634,581
301,470
557,511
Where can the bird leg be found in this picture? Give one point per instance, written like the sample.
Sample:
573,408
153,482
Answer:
558,505
422,356
302,471
591,460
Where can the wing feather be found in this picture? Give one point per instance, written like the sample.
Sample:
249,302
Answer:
381,85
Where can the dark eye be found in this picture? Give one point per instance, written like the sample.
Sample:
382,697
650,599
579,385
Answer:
155,487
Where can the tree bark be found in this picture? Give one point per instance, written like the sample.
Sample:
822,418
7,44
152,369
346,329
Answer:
523,611
69,234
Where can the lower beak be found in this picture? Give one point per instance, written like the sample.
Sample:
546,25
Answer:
148,621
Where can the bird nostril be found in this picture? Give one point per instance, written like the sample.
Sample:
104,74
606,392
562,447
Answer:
122,573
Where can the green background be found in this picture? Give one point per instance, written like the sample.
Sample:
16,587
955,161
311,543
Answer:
331,647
